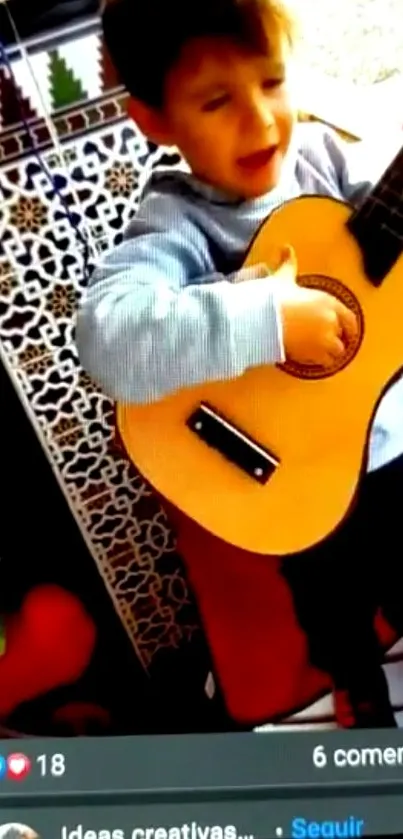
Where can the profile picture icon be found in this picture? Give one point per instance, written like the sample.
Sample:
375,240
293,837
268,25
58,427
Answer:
14,830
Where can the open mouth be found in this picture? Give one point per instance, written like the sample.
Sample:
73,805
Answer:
258,159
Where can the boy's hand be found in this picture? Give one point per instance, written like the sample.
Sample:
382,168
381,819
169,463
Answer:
316,326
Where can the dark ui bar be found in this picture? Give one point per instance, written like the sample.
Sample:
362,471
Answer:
339,818
203,765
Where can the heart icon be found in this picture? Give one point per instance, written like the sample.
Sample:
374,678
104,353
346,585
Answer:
18,766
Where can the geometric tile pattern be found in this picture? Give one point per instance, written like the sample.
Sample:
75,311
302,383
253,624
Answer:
104,163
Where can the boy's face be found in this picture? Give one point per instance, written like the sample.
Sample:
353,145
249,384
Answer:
230,113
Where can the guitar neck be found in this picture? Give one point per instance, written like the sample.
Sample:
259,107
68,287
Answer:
377,225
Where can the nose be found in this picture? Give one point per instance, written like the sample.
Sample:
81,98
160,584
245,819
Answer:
259,115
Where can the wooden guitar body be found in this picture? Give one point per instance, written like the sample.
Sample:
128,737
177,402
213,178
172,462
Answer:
271,461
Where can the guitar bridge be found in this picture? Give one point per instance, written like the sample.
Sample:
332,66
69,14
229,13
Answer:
236,446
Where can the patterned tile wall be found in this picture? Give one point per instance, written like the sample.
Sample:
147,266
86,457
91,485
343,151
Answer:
103,164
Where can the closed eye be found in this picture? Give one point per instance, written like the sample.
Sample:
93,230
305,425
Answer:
269,84
216,103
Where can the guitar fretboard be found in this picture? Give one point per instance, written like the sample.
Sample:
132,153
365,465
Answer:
377,225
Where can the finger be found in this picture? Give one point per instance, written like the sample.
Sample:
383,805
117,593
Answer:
348,322
337,348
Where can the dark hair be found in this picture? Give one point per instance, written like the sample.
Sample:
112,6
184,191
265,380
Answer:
145,37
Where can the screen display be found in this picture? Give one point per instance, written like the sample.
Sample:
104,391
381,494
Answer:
201,576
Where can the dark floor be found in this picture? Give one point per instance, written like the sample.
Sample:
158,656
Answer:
173,699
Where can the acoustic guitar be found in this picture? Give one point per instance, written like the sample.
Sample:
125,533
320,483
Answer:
271,461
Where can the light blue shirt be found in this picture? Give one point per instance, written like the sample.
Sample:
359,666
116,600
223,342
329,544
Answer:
162,310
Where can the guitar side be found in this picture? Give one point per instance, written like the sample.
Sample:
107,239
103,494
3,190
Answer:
315,427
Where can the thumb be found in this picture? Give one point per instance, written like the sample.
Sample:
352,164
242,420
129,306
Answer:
288,254
288,266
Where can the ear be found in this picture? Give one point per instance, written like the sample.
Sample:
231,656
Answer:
151,122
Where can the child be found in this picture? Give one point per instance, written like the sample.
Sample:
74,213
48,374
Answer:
164,310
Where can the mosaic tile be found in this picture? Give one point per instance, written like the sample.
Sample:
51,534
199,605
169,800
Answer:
98,178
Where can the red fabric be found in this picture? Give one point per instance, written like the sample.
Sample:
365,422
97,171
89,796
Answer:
258,649
49,643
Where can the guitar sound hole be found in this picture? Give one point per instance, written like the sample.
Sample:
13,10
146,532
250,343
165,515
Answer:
339,290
